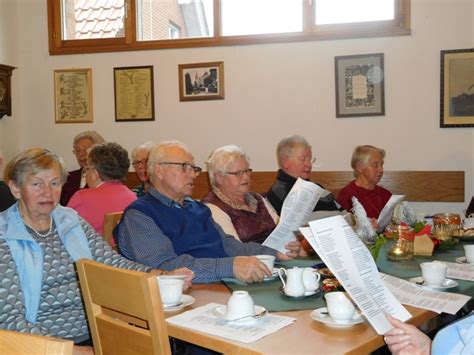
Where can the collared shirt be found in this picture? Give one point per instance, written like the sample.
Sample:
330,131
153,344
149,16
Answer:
141,240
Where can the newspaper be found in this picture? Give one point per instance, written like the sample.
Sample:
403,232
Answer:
460,271
421,297
298,205
206,319
351,262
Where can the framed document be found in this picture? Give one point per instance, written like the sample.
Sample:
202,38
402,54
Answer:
134,97
457,88
73,95
201,81
360,85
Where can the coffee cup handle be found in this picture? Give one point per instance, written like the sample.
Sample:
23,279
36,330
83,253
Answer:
280,272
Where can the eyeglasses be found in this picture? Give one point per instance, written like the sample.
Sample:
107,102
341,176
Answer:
137,163
240,173
307,160
186,167
80,151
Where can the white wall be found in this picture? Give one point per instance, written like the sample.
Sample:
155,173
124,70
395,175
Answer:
271,91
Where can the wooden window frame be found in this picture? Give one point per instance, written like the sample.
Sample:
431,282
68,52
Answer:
400,26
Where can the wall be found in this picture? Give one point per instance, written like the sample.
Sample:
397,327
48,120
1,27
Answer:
271,91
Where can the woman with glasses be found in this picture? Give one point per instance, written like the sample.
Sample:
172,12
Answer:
107,167
243,214
139,161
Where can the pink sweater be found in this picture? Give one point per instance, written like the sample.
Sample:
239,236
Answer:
93,204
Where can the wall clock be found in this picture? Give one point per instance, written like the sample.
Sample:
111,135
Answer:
5,90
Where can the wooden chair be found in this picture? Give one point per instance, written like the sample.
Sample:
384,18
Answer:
124,310
110,221
13,343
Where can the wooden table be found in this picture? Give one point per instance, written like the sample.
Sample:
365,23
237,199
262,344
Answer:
303,337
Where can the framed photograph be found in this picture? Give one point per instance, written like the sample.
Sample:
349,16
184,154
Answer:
360,85
134,96
457,88
73,96
201,81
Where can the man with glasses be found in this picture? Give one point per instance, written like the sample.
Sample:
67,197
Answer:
77,178
295,160
167,228
139,162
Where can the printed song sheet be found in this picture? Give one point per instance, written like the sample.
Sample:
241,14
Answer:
421,297
460,271
386,214
297,207
351,262
205,319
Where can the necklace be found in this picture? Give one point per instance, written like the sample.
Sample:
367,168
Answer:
42,235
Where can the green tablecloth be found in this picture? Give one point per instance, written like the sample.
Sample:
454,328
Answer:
408,269
268,295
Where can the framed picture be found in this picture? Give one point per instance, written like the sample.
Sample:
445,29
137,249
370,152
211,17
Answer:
457,88
73,96
134,97
201,81
360,85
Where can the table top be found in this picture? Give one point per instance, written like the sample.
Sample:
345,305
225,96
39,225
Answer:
303,336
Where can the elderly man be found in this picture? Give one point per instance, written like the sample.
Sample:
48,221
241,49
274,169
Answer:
167,228
295,160
77,178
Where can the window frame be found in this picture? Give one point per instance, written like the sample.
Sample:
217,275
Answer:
399,26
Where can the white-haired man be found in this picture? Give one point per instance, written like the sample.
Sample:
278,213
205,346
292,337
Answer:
167,228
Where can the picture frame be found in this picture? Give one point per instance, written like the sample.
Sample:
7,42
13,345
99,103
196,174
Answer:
134,94
360,82
201,81
73,96
457,88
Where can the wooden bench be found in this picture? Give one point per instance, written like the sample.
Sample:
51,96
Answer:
418,186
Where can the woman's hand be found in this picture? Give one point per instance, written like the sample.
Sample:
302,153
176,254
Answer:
406,339
293,248
375,225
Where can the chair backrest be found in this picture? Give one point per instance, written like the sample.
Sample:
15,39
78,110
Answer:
110,221
14,343
124,310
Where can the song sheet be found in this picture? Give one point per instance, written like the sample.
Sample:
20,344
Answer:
205,319
351,262
421,297
298,205
386,214
460,271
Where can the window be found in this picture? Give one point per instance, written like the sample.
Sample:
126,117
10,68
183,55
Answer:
117,25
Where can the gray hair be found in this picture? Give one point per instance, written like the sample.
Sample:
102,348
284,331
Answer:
287,146
32,161
159,153
95,137
221,158
144,147
362,154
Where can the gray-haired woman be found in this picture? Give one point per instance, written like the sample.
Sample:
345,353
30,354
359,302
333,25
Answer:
243,214
39,243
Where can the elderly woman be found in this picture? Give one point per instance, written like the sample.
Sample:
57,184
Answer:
76,179
241,213
139,161
107,167
39,243
367,162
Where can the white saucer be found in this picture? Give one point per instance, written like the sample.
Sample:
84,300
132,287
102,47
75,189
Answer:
186,300
320,316
273,277
219,312
306,294
462,260
447,283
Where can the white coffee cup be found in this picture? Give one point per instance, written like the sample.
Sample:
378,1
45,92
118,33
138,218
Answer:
434,273
268,260
469,250
171,290
240,304
339,306
311,279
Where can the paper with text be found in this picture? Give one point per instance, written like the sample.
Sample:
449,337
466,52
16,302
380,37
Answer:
460,271
204,319
386,214
351,262
421,297
298,205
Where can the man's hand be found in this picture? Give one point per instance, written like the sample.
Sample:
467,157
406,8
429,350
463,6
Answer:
293,248
406,339
250,269
183,271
